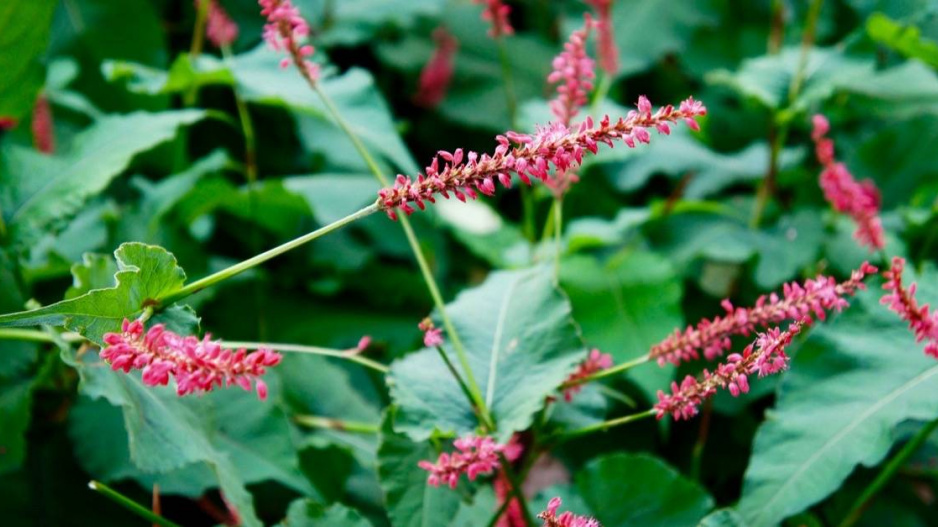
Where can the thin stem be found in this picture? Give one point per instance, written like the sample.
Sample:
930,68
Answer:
887,473
129,504
776,27
509,82
608,372
452,370
343,124
605,425
195,48
240,267
558,227
602,90
316,421
3,227
702,434
350,355
516,489
807,40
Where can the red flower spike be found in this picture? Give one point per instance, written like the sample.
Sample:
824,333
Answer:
438,72
496,13
286,30
566,519
608,51
922,322
473,456
220,29
595,362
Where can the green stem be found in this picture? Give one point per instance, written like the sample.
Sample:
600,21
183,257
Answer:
35,335
316,421
195,48
516,490
558,227
608,372
887,473
509,82
602,90
605,425
240,267
130,505
452,369
350,355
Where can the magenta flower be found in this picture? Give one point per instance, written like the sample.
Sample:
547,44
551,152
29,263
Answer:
473,456
196,365
496,12
42,126
573,72
438,72
860,200
220,29
566,519
608,51
466,175
432,336
284,31
922,322
813,299
595,362
764,357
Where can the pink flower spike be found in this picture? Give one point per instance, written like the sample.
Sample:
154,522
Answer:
220,29
922,322
286,31
438,72
432,336
813,299
608,51
197,365
763,357
474,456
496,12
595,362
43,127
566,519
573,72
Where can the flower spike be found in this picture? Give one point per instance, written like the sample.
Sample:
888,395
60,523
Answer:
285,31
438,71
565,519
220,29
595,362
474,455
901,299
496,13
608,51
573,72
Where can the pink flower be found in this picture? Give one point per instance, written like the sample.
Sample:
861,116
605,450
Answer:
573,70
764,357
363,343
813,299
902,300
196,365
284,31
860,200
496,12
432,336
566,519
438,72
42,125
608,51
220,28
595,362
465,175
473,456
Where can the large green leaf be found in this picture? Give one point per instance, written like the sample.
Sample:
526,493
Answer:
637,489
145,274
411,502
521,344
722,518
23,40
38,192
306,513
849,386
907,40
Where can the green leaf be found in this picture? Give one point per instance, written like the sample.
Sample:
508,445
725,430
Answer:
906,40
145,274
96,271
850,384
411,502
23,46
358,21
722,518
183,75
305,512
334,196
16,402
484,232
521,344
40,192
638,489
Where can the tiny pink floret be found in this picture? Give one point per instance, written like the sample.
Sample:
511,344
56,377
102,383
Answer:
474,456
922,321
565,519
196,365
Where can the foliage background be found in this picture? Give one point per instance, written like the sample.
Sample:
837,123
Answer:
654,238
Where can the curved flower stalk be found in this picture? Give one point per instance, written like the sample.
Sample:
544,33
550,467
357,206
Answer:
607,49
922,322
496,13
285,31
438,72
595,362
566,519
220,28
474,455
764,357
465,175
860,200
196,365
813,299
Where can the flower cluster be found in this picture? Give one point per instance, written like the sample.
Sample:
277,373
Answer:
219,27
566,519
764,357
473,456
432,335
284,31
438,72
900,299
573,71
42,126
608,51
197,365
595,362
813,299
496,13
859,199
465,175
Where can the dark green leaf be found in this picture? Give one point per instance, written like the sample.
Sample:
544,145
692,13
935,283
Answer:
24,40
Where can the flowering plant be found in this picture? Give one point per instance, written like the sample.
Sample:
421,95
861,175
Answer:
663,264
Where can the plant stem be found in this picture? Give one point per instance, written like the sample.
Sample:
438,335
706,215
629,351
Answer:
776,27
558,227
701,443
605,425
605,83
887,473
35,335
516,490
195,48
608,372
240,267
129,504
316,421
350,355
452,370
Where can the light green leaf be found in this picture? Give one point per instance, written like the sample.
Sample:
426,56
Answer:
16,402
521,344
333,196
38,193
23,46
183,75
906,40
307,513
722,518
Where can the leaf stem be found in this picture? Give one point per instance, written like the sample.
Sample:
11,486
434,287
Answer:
887,473
129,504
605,425
240,267
316,421
350,355
608,372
